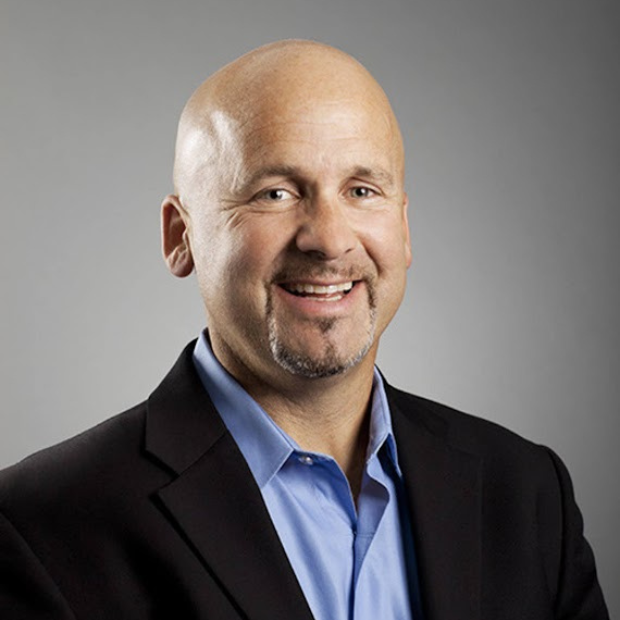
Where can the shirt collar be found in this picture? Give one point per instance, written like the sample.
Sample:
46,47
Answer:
381,432
264,445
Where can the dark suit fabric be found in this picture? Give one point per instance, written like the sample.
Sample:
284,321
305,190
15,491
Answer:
155,514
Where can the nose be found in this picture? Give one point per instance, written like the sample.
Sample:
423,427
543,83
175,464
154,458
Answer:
325,231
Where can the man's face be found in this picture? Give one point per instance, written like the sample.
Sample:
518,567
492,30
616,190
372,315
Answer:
299,236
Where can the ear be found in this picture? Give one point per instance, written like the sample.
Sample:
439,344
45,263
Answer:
407,235
174,237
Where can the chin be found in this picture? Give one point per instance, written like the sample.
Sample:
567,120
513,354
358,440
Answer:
331,360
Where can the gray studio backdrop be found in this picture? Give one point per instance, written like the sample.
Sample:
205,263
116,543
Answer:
510,115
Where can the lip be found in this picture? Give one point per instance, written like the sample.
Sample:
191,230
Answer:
320,288
329,304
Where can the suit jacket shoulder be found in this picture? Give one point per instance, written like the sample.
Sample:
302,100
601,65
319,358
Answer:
70,467
496,445
496,507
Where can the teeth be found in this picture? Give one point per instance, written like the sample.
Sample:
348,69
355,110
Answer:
315,289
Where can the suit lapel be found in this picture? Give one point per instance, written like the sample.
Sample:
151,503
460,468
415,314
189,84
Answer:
215,501
443,486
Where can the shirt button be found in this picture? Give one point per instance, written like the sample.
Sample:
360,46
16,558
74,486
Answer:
306,459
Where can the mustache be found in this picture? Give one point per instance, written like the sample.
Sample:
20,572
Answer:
296,273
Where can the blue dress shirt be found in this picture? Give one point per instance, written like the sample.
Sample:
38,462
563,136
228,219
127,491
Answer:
351,564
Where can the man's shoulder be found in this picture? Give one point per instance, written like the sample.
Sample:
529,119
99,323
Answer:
84,465
499,447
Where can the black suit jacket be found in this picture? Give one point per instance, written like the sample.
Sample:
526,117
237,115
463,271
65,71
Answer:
155,514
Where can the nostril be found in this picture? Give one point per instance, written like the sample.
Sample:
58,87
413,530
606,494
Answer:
326,237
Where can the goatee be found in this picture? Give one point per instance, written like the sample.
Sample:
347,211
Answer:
330,361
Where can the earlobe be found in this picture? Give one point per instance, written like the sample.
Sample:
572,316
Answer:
174,237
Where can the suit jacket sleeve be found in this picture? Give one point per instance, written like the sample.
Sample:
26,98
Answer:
26,589
579,596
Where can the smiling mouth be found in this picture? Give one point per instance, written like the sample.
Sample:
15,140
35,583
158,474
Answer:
319,292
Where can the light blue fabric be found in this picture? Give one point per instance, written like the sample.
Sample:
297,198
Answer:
351,564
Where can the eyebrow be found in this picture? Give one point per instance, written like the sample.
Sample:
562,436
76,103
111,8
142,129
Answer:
266,172
373,174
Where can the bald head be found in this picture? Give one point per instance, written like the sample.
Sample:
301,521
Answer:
289,175
273,81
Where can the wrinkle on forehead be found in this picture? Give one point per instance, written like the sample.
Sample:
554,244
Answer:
274,83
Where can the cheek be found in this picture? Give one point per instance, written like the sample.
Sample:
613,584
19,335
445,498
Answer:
387,249
245,254
251,248
387,243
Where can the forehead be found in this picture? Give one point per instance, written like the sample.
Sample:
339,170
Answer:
329,131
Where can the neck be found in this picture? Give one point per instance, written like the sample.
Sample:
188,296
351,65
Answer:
329,415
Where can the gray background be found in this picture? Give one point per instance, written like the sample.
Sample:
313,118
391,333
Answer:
510,115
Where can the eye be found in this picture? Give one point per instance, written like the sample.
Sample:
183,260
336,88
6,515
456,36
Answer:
275,194
362,191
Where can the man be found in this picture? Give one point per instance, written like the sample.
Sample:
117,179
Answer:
274,473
